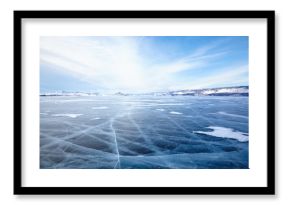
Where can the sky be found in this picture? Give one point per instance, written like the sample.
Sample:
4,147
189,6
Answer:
138,64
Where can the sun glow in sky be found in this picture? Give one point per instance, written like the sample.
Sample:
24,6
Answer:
137,64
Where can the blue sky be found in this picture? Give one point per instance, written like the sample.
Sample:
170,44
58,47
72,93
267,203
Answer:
142,63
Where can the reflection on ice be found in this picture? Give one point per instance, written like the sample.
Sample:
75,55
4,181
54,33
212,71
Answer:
132,136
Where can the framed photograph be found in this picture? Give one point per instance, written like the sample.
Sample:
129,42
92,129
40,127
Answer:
144,102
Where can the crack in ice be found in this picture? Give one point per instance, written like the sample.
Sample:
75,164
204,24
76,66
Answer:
118,163
142,135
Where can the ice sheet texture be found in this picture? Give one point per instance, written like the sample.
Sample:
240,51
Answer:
143,132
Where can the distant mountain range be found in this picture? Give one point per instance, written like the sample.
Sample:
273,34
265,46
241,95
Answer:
223,91
65,93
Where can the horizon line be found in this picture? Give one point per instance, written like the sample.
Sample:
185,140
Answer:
119,91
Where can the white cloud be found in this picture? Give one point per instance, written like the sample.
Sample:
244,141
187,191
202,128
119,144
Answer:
115,63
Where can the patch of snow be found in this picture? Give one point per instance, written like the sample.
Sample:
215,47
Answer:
160,109
225,133
96,118
100,108
175,113
67,115
232,115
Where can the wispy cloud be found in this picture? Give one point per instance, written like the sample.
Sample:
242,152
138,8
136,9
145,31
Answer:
117,63
231,76
106,62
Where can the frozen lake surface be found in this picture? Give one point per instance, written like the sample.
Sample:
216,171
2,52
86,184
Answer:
143,132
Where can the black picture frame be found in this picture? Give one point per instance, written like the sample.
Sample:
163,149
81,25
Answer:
19,189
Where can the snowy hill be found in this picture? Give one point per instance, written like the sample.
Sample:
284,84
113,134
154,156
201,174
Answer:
225,91
64,93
